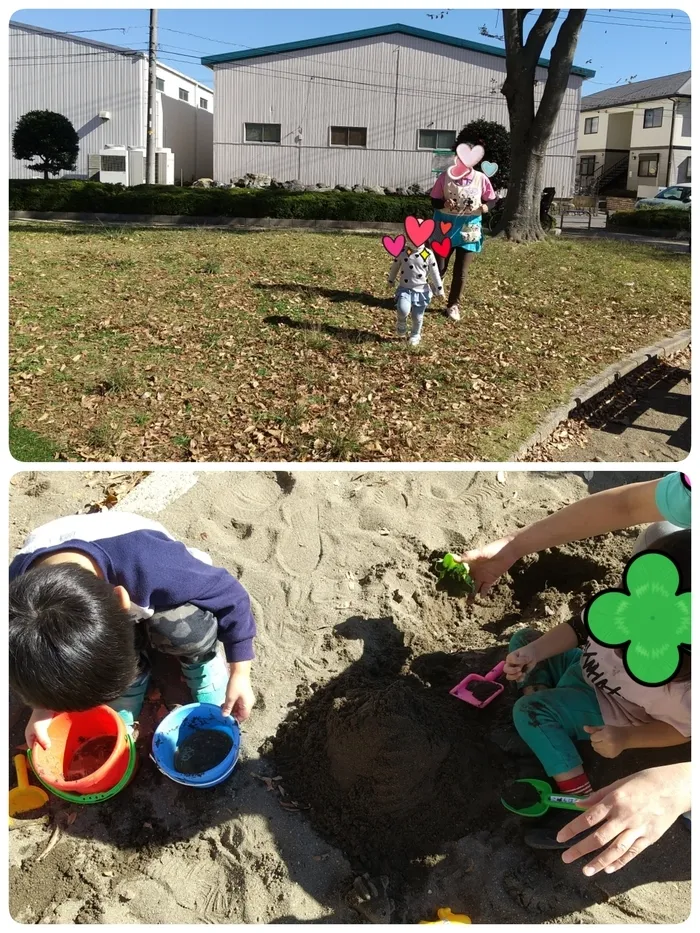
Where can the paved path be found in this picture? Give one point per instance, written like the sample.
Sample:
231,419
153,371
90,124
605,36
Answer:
632,424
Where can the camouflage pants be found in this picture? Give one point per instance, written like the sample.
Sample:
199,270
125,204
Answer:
185,632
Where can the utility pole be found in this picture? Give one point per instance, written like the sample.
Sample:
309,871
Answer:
151,129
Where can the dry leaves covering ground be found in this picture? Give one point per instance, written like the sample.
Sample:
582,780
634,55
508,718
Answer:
205,345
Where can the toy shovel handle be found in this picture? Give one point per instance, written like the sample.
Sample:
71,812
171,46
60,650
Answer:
565,802
21,769
496,672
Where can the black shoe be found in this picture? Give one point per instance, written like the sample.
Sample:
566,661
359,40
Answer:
545,838
544,834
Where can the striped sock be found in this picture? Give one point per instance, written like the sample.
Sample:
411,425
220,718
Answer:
579,785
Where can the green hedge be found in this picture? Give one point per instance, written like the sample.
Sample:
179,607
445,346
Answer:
95,197
652,218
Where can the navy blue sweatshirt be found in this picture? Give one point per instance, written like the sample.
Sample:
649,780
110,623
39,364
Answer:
157,571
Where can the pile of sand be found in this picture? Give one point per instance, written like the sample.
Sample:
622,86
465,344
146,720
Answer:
390,768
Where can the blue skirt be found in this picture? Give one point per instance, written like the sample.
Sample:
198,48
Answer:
455,234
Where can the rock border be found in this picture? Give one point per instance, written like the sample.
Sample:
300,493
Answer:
597,384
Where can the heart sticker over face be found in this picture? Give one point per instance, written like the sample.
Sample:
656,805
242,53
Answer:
419,231
394,245
467,158
489,169
445,225
441,248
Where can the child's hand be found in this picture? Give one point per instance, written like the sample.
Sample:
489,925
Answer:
240,698
38,728
488,563
607,741
520,662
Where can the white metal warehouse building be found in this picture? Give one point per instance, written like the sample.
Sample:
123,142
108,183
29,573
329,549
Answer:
83,79
368,107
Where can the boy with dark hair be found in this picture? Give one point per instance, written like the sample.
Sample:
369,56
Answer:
91,594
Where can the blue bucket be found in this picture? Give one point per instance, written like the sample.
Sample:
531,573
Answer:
179,726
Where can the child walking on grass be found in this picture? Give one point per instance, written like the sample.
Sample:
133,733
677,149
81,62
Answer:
572,693
92,595
461,196
415,270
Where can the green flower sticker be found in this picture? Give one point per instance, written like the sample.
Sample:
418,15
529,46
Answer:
648,619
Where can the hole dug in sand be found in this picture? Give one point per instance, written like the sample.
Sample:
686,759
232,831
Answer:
392,766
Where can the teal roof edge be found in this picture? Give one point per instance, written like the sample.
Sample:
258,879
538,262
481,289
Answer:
211,60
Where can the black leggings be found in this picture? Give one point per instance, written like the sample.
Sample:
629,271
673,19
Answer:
463,259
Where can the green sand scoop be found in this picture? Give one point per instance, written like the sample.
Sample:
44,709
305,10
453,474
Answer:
536,797
454,571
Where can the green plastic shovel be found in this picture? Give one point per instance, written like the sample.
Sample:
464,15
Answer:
547,799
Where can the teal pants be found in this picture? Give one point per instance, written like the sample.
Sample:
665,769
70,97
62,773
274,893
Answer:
551,721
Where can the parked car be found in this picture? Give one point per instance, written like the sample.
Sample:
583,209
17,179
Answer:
675,196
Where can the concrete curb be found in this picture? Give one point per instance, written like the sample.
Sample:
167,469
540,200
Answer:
158,490
263,224
185,221
597,384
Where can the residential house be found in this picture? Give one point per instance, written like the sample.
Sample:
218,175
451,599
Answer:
103,90
370,107
635,137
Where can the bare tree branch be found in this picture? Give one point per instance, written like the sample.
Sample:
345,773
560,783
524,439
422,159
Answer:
513,36
538,36
560,63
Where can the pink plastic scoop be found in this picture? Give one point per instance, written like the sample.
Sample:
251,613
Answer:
468,689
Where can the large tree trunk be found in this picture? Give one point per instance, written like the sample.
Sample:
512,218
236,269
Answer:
531,128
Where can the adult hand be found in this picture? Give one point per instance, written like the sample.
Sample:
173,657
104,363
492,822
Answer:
630,814
240,698
37,729
488,563
607,741
520,662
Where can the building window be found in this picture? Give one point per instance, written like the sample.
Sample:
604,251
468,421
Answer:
648,166
112,163
590,126
204,103
184,95
436,139
587,165
263,132
160,84
349,136
653,117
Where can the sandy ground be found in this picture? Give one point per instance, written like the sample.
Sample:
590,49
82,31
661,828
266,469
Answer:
350,621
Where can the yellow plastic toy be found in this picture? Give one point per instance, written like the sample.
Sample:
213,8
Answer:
445,915
25,796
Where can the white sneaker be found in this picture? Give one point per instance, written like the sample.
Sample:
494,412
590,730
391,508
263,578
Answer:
453,313
414,341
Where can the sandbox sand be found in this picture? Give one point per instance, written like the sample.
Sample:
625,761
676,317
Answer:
356,758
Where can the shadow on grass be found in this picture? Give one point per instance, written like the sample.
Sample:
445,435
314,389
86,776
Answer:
28,446
333,294
348,334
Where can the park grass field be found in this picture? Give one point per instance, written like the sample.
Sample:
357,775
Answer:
203,345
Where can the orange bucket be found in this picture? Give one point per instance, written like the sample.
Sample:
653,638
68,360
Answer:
89,752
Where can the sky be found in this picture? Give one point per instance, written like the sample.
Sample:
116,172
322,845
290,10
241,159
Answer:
619,44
